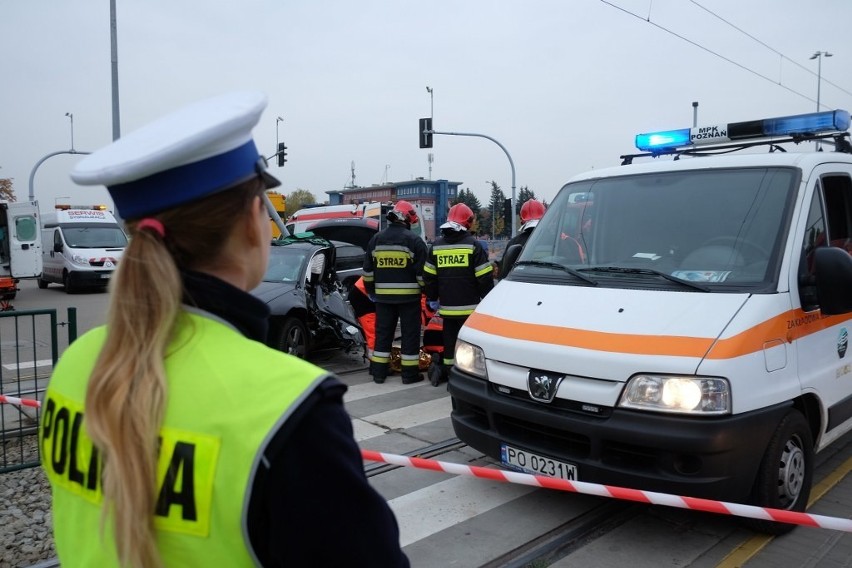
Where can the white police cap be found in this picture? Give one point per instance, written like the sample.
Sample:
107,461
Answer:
194,152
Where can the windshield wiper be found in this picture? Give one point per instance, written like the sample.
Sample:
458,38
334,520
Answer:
558,266
668,277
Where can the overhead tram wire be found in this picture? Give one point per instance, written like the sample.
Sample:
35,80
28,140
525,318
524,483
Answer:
770,48
710,51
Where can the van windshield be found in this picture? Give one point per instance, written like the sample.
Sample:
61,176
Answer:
724,229
94,236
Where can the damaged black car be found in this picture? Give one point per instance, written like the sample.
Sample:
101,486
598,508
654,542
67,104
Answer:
309,311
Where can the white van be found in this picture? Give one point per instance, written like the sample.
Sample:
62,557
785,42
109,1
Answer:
686,330
82,248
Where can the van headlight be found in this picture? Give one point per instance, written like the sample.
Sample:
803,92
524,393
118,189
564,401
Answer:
79,260
470,359
677,394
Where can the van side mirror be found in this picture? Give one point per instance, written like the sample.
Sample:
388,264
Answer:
509,257
833,274
57,247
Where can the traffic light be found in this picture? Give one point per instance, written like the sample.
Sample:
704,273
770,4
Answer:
282,153
425,132
507,213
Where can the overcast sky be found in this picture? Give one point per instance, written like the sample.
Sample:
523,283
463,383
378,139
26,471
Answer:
563,85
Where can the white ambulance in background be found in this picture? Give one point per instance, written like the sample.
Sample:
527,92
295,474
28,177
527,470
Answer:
20,245
82,247
686,332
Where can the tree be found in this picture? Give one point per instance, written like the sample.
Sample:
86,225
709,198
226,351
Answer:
467,197
524,194
496,222
298,199
6,190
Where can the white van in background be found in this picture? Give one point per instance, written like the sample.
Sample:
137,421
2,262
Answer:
81,248
20,246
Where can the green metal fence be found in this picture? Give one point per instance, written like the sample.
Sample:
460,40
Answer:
29,349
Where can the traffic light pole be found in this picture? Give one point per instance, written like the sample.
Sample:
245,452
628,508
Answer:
511,163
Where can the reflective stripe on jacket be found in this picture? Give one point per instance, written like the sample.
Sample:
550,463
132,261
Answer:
393,265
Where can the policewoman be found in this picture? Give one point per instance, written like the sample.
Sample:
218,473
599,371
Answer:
456,276
195,443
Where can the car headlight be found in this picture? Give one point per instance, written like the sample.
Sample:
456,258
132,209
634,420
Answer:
677,394
470,359
79,260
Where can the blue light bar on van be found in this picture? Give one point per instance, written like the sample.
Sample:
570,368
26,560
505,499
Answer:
800,124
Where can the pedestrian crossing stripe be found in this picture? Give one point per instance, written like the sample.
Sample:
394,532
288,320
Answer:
28,364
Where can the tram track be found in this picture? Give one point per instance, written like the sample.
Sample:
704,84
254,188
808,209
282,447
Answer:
430,451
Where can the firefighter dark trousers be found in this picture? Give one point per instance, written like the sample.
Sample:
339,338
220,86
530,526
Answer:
387,315
450,331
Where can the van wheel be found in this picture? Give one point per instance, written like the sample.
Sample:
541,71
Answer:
785,474
42,284
293,338
66,281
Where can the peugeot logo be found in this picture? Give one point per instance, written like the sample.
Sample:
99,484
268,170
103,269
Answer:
543,386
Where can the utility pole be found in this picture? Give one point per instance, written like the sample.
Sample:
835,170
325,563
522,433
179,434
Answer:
113,32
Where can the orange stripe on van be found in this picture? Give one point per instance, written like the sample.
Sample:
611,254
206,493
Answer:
784,327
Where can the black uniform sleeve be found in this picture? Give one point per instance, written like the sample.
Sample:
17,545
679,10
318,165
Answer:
485,281
419,248
314,505
430,277
368,268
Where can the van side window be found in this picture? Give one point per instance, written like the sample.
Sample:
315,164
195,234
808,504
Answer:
833,228
837,190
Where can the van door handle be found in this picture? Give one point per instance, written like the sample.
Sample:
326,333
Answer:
25,247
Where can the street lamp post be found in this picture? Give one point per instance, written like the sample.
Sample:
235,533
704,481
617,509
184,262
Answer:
818,56
277,121
431,102
71,116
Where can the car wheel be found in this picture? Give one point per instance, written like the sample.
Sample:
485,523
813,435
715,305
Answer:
42,284
293,338
785,474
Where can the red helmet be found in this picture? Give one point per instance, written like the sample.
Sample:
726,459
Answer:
531,210
403,212
460,218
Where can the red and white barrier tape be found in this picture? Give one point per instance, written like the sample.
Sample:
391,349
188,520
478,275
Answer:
707,505
19,401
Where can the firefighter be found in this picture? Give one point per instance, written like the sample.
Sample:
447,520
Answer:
457,276
531,212
393,276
